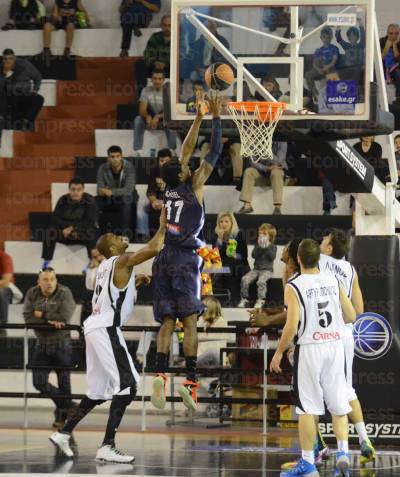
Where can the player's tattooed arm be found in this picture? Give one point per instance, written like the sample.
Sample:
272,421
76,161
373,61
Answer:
190,141
349,313
150,250
289,330
207,165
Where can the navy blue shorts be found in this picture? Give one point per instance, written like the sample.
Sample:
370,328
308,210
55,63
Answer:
177,283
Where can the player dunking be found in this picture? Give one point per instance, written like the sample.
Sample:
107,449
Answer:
176,270
109,368
317,309
334,248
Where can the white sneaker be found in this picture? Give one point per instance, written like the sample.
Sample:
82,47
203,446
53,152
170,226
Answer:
259,303
138,153
244,303
108,453
61,441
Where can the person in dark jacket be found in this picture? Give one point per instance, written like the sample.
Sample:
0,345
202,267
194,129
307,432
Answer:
116,191
390,50
371,151
135,14
232,246
49,303
19,86
74,221
25,15
264,254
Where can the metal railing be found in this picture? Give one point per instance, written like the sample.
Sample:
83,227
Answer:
146,370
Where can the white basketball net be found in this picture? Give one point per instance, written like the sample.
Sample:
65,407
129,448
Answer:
256,129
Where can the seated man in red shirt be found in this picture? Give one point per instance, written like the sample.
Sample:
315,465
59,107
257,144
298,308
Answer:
6,277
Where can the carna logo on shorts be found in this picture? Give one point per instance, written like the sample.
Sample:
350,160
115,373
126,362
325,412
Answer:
372,336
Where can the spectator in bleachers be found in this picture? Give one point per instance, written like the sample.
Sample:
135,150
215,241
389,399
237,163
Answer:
371,151
49,303
325,59
263,173
135,14
116,180
354,48
20,82
151,113
397,152
232,246
6,278
198,92
25,15
63,17
271,85
204,54
74,221
264,254
155,191
390,48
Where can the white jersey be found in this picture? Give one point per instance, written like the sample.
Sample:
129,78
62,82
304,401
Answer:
111,306
342,269
321,317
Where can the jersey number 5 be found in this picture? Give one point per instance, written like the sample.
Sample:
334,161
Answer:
326,317
174,210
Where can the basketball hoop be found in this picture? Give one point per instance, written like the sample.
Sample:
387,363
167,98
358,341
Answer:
256,122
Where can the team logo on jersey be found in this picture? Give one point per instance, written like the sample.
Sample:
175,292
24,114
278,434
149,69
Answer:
372,336
174,229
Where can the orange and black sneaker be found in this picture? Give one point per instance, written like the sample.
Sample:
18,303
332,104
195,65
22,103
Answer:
188,393
159,396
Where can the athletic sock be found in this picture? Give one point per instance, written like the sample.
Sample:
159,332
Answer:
308,456
361,431
343,446
191,365
161,362
84,407
117,410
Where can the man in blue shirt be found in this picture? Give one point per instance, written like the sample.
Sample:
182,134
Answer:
135,14
325,59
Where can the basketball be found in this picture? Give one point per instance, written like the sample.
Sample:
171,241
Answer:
219,76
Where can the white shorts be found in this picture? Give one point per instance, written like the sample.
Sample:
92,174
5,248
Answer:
319,376
349,357
109,366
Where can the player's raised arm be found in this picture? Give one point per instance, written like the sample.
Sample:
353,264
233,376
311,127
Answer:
208,163
150,250
356,296
192,136
349,313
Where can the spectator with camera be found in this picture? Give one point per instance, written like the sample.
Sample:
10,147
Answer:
52,304
151,114
74,221
135,14
20,82
66,15
25,15
116,193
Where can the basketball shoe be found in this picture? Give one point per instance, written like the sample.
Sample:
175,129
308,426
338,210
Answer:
159,396
188,393
367,452
109,453
342,464
61,441
302,469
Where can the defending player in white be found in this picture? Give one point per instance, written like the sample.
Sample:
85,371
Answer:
110,372
334,248
317,310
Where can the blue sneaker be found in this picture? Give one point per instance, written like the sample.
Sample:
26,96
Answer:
302,469
342,464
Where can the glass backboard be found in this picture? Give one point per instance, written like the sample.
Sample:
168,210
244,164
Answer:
317,58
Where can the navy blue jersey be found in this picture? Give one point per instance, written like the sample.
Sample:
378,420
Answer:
185,217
